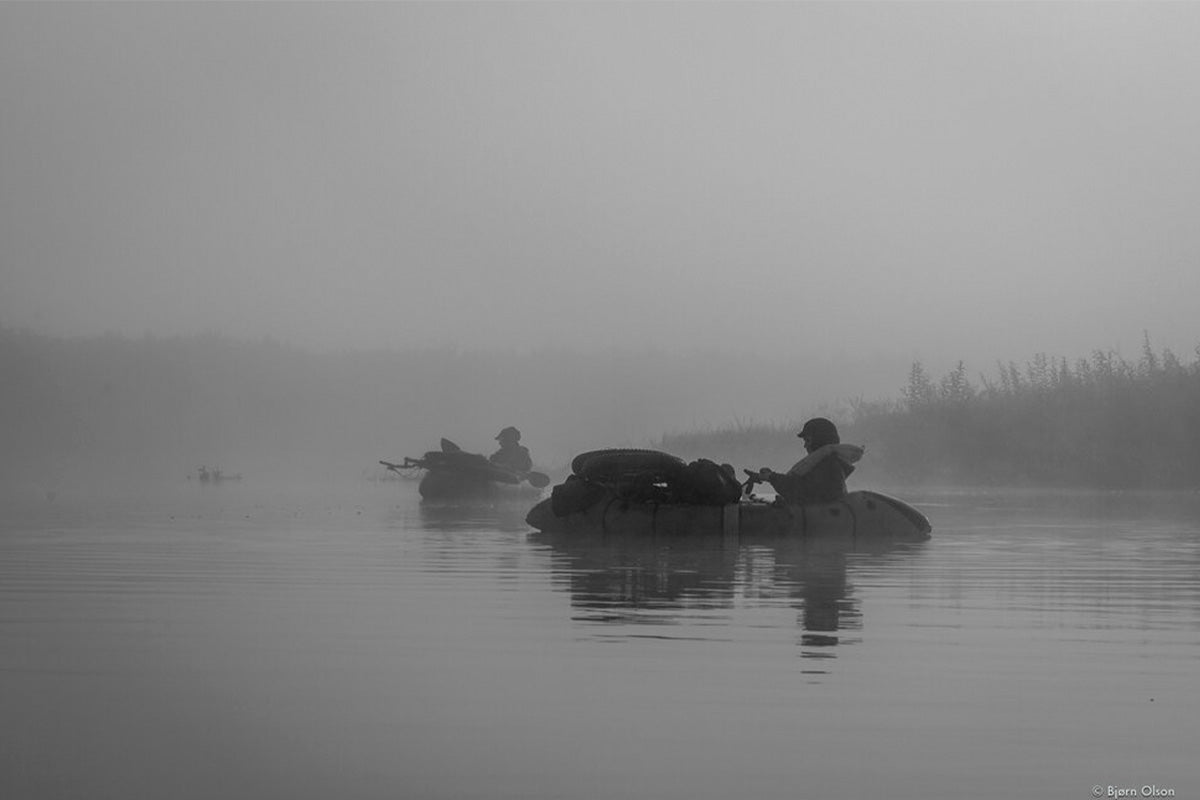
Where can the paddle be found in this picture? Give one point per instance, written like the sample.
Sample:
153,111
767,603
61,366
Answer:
538,480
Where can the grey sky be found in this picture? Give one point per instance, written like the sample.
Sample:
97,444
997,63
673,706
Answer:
962,180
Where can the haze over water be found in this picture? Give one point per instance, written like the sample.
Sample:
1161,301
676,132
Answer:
937,180
289,240
247,642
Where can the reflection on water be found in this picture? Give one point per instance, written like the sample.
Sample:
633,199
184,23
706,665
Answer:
683,585
1112,559
312,642
445,516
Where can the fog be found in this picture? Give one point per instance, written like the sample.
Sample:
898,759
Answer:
593,221
113,408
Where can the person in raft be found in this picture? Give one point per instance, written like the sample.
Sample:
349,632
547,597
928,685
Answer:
820,476
511,454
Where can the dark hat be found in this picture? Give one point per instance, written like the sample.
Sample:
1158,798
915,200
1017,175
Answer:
509,431
819,431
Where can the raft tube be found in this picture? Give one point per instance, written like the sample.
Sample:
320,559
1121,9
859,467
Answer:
860,515
616,463
442,484
455,474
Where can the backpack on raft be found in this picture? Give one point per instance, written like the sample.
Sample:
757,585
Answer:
706,483
575,494
643,476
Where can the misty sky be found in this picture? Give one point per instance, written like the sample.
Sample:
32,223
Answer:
970,180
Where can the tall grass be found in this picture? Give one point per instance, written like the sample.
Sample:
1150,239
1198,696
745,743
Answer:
1101,422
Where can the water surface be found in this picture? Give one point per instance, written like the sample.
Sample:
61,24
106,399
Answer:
227,641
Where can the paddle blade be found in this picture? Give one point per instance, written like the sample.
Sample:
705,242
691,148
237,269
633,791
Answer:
538,480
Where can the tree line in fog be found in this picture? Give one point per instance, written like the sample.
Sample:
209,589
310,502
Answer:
1098,422
76,407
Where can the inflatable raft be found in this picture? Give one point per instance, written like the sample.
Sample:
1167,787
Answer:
452,484
451,474
651,493
859,515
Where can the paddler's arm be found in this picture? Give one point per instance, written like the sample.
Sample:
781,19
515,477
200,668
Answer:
783,483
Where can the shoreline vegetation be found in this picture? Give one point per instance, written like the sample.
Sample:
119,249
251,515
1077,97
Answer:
1096,423
77,409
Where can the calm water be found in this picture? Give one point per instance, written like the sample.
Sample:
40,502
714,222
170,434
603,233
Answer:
228,642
